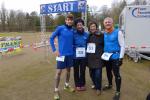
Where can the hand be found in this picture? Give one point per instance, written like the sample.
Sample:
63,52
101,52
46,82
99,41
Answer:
120,61
56,53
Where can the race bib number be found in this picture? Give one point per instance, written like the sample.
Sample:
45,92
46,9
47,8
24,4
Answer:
80,52
106,56
60,58
91,47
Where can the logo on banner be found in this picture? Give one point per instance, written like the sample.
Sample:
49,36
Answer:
81,5
141,12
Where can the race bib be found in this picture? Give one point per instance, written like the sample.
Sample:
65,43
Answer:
106,56
60,58
91,47
80,52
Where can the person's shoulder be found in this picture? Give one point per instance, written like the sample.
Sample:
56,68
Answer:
117,30
62,26
59,27
86,33
74,31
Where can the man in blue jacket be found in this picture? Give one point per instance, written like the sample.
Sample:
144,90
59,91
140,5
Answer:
114,48
80,61
64,54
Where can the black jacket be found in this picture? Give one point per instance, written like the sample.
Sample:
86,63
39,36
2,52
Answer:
94,59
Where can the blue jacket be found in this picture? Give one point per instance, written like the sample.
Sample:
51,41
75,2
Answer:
111,44
65,40
79,40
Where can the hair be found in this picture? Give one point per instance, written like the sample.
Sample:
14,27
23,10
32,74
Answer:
70,16
78,20
109,18
91,23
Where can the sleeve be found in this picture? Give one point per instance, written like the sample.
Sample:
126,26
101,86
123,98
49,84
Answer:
73,38
121,43
52,38
103,40
88,37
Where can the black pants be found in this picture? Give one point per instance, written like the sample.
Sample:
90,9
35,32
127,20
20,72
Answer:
79,72
113,65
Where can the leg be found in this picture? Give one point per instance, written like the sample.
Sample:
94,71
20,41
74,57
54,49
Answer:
109,72
67,87
76,72
69,64
109,75
57,80
68,74
57,77
116,70
98,78
82,72
91,71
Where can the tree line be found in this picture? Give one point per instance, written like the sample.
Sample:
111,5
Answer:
19,21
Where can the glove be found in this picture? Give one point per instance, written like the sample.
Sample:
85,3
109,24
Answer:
120,61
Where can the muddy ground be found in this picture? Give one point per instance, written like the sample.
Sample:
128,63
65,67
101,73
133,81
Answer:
30,76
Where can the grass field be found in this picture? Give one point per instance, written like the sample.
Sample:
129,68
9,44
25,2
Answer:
29,76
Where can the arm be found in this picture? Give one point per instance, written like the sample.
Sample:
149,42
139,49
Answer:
52,38
74,38
121,43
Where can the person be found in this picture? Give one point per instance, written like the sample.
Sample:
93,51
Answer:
79,62
64,54
95,45
148,97
114,48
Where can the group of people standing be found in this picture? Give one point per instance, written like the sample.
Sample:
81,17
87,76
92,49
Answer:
93,49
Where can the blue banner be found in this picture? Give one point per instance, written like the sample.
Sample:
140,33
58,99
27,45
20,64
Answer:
71,6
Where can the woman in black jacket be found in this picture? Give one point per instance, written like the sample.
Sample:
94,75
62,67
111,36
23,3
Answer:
95,45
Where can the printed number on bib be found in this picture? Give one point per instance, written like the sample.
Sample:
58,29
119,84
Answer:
80,52
106,56
91,47
60,58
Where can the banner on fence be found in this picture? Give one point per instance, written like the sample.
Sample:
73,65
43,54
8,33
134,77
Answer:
10,45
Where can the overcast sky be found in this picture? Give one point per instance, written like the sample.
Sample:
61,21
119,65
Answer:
34,5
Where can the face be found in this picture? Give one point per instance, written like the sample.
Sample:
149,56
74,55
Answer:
69,21
79,26
93,28
108,23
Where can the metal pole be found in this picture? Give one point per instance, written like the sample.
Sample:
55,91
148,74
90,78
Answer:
84,14
43,35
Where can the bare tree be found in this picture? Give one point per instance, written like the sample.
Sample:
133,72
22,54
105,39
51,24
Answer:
34,20
116,9
3,17
11,21
21,21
